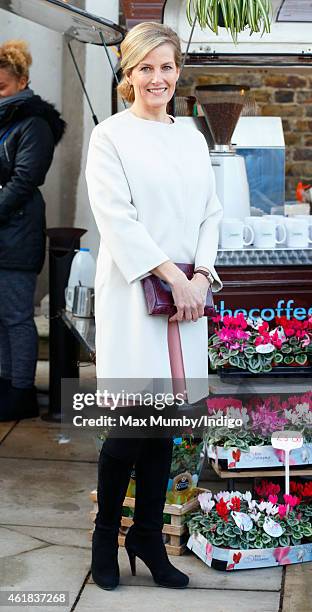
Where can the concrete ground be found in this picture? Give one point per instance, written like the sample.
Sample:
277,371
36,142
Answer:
45,541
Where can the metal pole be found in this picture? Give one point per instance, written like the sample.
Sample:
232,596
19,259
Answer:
187,47
111,63
173,104
94,117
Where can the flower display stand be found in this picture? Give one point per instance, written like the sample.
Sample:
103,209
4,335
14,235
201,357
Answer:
231,475
175,531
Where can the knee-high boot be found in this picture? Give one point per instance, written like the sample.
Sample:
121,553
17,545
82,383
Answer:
144,539
113,478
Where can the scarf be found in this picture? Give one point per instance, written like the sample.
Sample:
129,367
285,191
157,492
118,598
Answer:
25,94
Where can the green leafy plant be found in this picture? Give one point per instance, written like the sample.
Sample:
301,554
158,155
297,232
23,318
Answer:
216,521
187,455
234,15
259,417
251,345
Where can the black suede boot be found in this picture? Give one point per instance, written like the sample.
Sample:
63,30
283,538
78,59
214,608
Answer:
144,539
113,480
19,404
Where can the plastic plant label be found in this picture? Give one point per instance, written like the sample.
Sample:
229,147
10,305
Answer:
265,348
287,440
272,528
242,520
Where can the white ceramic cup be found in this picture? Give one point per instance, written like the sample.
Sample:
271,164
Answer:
308,220
265,231
297,233
280,227
233,234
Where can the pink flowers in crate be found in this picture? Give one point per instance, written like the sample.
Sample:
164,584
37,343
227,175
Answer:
282,511
269,490
233,333
238,333
214,404
273,499
291,500
265,420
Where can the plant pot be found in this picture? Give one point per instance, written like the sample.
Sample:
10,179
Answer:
184,473
228,559
230,372
258,457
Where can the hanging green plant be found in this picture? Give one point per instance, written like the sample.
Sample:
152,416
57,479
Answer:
234,15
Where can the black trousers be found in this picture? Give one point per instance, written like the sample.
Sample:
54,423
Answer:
18,332
152,460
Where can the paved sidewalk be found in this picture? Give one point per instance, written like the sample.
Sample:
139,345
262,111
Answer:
45,542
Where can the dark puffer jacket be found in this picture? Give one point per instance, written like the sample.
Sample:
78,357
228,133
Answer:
29,130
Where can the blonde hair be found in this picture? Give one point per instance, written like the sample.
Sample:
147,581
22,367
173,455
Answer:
16,58
139,41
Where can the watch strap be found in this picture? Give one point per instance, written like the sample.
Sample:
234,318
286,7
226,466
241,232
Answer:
205,273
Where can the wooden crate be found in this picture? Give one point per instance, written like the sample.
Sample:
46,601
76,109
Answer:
175,531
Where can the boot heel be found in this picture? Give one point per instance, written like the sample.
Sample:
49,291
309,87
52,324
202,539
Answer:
132,561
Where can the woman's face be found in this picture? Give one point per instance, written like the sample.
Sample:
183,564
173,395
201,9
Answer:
154,78
10,84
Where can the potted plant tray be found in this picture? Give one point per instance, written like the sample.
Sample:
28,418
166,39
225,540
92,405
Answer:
232,530
227,559
297,371
258,456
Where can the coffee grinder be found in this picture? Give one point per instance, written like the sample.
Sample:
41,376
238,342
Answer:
222,106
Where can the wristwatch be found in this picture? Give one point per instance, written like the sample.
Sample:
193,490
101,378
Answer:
205,273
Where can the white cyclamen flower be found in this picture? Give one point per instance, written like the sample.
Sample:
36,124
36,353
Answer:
254,323
271,509
224,494
205,501
236,494
280,333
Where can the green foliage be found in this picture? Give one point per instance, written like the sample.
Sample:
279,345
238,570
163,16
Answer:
226,534
291,353
187,457
235,15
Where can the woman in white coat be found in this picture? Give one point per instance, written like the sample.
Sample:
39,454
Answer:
152,193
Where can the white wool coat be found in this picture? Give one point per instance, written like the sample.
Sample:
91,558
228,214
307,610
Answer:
152,192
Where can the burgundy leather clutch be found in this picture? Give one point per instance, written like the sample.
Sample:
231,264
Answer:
159,297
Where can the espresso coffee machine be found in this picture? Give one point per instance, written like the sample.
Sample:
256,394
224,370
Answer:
222,106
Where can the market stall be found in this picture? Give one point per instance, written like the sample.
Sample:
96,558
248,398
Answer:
265,263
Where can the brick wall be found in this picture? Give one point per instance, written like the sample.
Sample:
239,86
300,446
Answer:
136,11
286,95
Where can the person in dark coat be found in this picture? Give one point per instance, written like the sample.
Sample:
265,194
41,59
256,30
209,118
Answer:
30,128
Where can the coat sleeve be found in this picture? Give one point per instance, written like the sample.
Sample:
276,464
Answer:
32,161
132,248
207,245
